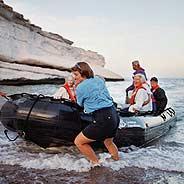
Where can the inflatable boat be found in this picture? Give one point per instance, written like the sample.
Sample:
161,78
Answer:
49,122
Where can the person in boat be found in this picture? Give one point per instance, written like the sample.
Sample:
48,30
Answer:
159,97
92,94
138,70
140,100
67,91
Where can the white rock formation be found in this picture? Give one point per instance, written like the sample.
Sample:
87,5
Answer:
25,43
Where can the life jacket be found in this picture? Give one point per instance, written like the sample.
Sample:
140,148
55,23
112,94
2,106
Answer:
155,88
71,95
152,97
135,91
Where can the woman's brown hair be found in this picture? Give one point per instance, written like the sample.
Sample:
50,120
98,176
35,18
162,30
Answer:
84,69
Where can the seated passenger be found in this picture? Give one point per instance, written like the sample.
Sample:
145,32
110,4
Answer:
140,100
159,97
138,70
67,91
144,84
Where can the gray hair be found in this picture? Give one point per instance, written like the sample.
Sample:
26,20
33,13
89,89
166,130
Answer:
141,76
69,78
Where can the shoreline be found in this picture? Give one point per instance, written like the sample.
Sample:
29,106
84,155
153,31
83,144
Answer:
23,81
16,174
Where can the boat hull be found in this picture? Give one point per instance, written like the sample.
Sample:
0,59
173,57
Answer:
48,122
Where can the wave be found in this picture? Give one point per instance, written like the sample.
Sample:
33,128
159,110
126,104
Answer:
168,158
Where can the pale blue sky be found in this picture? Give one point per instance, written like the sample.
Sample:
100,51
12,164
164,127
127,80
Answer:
151,31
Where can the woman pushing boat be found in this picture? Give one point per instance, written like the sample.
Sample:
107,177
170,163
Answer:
93,95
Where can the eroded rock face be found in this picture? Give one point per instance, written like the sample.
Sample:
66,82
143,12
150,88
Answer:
24,43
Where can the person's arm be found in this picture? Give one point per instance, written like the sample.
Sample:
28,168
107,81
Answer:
144,73
139,101
128,91
147,87
161,97
80,94
130,88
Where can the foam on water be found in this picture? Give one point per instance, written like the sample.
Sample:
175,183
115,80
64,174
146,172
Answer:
168,155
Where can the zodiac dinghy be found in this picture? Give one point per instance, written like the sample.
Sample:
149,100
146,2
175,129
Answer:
49,122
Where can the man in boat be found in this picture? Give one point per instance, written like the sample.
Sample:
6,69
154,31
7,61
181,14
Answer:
140,100
138,70
67,91
159,97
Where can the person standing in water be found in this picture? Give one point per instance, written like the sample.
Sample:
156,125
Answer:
138,70
93,95
67,91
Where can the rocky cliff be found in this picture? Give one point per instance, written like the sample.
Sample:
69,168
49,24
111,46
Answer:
30,55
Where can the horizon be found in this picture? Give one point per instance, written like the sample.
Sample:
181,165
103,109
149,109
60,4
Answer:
151,32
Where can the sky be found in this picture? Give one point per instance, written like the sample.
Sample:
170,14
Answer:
151,31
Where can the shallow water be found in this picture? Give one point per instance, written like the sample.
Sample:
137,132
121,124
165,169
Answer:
161,162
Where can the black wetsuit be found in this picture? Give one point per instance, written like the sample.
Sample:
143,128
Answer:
161,100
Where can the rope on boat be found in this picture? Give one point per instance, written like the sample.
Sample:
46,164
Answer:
36,100
4,96
22,133
29,113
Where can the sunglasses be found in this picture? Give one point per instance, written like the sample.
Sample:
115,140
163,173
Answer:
78,66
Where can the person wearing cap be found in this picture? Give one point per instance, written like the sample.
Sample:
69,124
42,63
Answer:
140,101
138,70
159,97
67,91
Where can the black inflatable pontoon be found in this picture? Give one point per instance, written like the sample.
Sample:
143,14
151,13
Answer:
49,122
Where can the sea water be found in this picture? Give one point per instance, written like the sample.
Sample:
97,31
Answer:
165,157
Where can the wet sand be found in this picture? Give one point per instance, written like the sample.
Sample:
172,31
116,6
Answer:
100,175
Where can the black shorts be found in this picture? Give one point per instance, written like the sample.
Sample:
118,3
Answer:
105,124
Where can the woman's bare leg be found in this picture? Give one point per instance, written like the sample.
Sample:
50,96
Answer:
82,143
111,147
